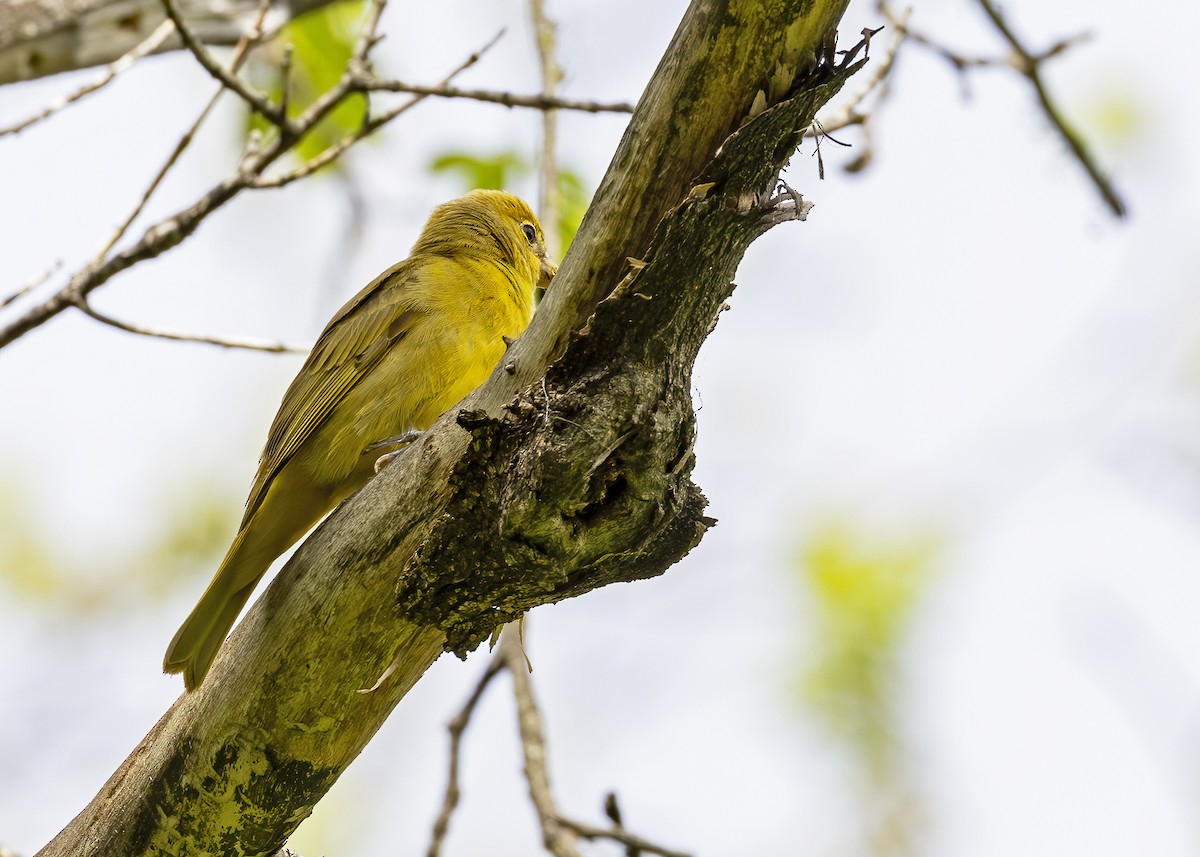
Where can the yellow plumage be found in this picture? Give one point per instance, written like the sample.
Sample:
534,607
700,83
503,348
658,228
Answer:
398,355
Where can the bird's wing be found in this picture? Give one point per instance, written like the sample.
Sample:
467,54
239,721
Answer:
351,344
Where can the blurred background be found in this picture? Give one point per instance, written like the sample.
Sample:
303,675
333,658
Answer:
950,428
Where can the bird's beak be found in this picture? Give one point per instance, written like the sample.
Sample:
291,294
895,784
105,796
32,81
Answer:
546,273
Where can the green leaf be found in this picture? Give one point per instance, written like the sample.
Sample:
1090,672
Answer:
493,172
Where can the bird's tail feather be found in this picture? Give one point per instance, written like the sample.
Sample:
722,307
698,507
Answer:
195,644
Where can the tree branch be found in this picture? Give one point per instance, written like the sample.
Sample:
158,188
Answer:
254,99
224,342
44,37
369,127
148,46
568,473
171,231
239,55
635,844
558,832
458,725
1030,65
508,99
1027,63
548,194
557,837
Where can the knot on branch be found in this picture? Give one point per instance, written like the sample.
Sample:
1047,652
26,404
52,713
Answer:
555,494
584,479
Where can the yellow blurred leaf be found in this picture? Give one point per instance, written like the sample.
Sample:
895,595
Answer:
864,591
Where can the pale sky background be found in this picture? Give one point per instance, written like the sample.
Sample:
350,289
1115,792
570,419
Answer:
960,341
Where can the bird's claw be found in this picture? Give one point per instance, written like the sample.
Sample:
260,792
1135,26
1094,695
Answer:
397,445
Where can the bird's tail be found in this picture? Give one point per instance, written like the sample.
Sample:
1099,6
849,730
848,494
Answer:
196,642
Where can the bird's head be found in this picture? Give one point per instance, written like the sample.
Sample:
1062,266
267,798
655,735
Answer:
492,224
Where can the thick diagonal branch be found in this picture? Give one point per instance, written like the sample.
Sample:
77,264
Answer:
568,470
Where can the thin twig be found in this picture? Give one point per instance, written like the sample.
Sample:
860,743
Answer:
170,231
457,726
618,834
368,127
224,342
148,46
29,287
1030,66
356,71
285,78
549,206
507,99
558,833
876,82
245,43
899,23
558,838
334,151
258,102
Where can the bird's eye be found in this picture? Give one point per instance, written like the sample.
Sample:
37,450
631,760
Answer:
530,232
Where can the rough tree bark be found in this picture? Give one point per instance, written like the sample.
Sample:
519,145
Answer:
42,37
569,469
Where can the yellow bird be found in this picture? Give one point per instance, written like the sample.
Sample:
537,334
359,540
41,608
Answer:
402,352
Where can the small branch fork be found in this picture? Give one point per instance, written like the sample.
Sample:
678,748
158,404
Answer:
559,834
252,171
1026,62
1030,65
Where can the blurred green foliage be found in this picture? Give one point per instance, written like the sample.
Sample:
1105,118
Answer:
500,169
193,528
494,172
864,593
26,567
322,42
1116,116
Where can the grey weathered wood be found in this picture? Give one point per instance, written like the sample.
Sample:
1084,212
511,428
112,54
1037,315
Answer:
42,37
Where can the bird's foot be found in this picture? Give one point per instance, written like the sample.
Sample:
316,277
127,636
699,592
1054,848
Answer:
395,446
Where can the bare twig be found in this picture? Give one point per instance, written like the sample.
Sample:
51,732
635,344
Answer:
224,342
285,78
617,834
507,99
245,43
545,36
172,230
368,127
558,833
457,726
250,172
258,102
26,289
899,23
876,82
1029,64
558,838
148,46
